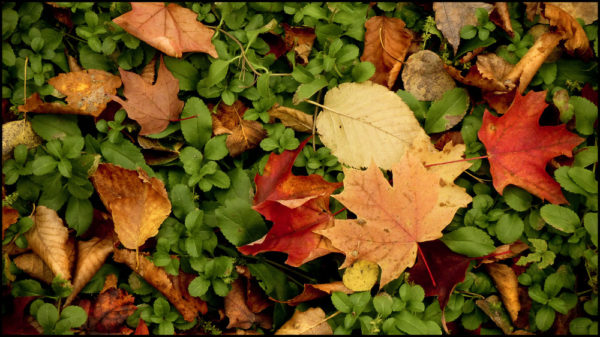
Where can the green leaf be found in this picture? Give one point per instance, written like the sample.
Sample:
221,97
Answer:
47,316
166,328
537,294
8,55
215,148
10,19
559,305
79,214
341,302
448,111
90,59
590,222
96,284
196,131
182,200
306,90
302,75
43,165
509,228
413,325
191,159
55,126
584,179
586,113
418,108
383,304
124,154
560,217
216,73
468,32
273,281
548,72
586,156
580,326
72,146
517,198
27,288
199,286
562,176
75,315
469,241
239,223
544,318
218,179
184,71
362,71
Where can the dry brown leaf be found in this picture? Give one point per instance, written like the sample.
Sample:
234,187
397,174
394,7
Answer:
33,265
491,307
300,40
501,17
172,287
48,239
587,11
309,322
156,153
9,217
110,282
171,29
236,309
576,39
532,9
450,17
149,71
293,118
506,252
91,256
73,64
243,134
487,74
424,76
15,133
500,102
313,291
138,204
256,299
507,284
111,309
386,45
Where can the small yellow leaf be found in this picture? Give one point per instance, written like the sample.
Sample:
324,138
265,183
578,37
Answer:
309,322
15,133
361,276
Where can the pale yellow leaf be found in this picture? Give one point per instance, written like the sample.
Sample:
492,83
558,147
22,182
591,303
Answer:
293,118
309,322
33,265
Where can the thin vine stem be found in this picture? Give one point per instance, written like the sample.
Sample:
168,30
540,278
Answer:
239,45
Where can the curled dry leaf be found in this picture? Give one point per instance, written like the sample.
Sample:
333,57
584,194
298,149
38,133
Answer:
587,11
33,265
506,252
501,17
9,217
488,74
88,92
576,39
386,45
300,40
256,299
111,309
236,309
174,288
314,291
507,284
149,71
424,76
73,64
293,118
138,204
171,29
309,322
243,134
450,17
493,308
91,256
15,133
48,238
356,130
151,105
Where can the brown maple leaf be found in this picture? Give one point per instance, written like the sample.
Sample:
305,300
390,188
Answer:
151,105
138,204
111,309
238,312
242,134
391,220
171,29
386,45
518,147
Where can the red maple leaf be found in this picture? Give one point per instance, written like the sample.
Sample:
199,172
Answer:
297,205
518,147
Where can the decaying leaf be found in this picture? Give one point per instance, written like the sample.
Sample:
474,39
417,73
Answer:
506,252
293,118
9,217
171,29
388,226
174,288
386,44
33,265
111,309
518,147
507,284
15,133
356,130
309,322
587,11
48,239
361,275
501,17
138,204
151,105
236,309
256,299
297,206
91,256
157,153
576,39
450,17
314,291
424,76
300,40
243,134
492,306
488,74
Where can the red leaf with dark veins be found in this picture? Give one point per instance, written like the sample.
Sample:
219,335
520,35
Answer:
297,205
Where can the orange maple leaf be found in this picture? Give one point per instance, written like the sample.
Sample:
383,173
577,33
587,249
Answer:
172,29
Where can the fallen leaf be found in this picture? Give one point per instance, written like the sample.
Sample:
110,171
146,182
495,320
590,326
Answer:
361,275
111,309
156,153
73,64
48,239
314,291
243,134
138,204
91,256
492,307
576,42
33,265
174,288
488,74
386,44
14,321
300,40
171,29
518,147
142,328
293,118
501,17
450,17
424,76
297,206
236,309
309,322
151,105
587,11
507,284
388,226
500,103
15,133
149,71
9,217
109,282
506,252
256,299
365,121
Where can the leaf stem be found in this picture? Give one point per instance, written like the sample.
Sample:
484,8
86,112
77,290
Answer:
239,45
426,266
456,161
340,211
